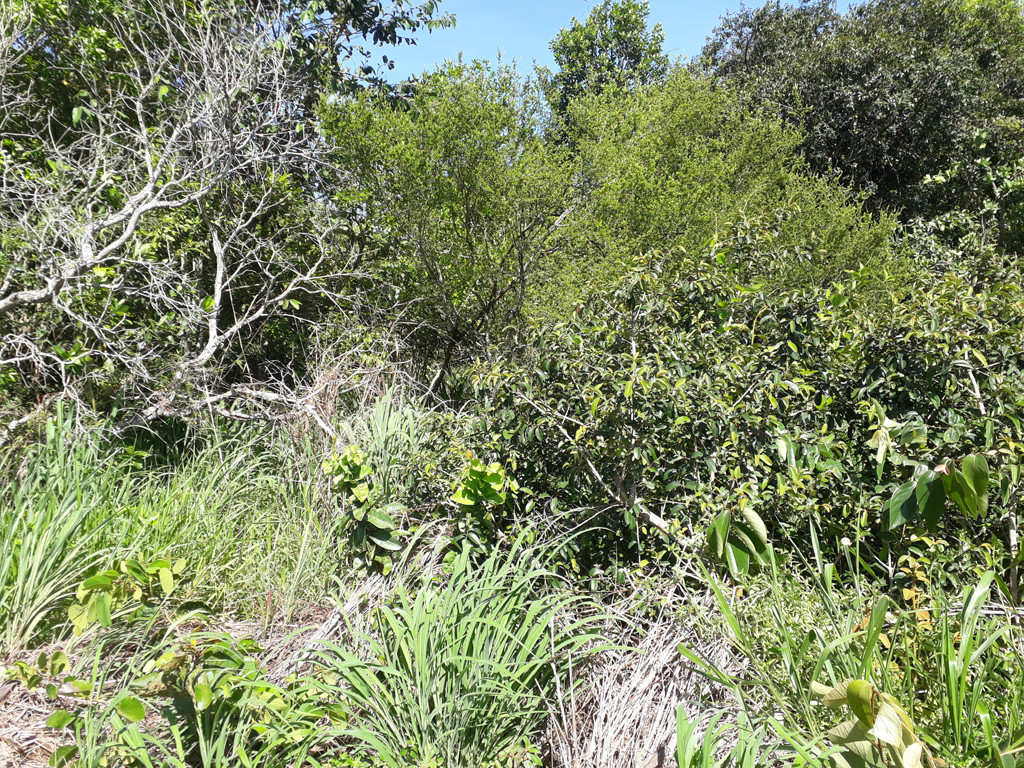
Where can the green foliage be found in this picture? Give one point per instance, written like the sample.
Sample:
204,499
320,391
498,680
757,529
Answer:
887,93
691,346
49,532
480,483
684,389
180,253
461,670
478,491
879,726
124,591
215,705
670,168
370,521
612,52
983,231
906,681
52,668
238,510
754,746
456,196
739,540
925,495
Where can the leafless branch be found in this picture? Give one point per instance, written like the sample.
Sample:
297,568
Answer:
153,238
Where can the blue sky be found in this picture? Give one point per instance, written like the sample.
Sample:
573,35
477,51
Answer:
522,30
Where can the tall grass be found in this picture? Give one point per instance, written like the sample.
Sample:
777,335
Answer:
958,675
460,672
240,510
245,515
55,501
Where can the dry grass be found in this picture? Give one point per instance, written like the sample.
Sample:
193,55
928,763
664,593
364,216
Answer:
624,713
25,741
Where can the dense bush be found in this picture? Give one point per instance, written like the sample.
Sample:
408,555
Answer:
886,93
670,166
688,389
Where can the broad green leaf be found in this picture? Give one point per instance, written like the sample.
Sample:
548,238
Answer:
78,617
902,507
860,695
166,580
380,519
975,469
782,447
820,689
384,541
961,492
757,528
59,662
100,581
852,735
460,497
131,708
931,497
103,609
717,533
61,718
203,696
63,756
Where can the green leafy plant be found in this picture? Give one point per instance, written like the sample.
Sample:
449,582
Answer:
123,591
478,491
932,684
372,529
739,540
879,726
924,496
49,671
217,706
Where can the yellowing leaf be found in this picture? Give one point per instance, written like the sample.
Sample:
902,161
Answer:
888,727
912,756
820,689
836,698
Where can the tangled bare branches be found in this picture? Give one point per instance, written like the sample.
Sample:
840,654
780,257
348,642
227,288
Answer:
164,220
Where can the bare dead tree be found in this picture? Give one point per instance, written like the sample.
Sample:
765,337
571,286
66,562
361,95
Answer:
146,243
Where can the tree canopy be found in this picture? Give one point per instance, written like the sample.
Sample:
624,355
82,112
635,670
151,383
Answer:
613,50
888,93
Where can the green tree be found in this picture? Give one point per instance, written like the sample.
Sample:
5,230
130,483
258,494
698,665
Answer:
668,167
613,50
456,197
886,94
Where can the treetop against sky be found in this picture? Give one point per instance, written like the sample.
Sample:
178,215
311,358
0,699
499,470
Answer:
522,30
